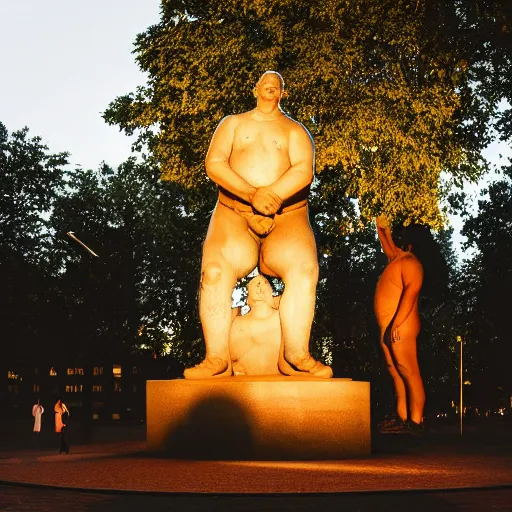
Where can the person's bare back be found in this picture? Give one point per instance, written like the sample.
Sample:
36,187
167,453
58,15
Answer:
389,291
396,311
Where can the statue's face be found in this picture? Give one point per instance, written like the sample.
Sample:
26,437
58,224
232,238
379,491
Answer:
269,87
259,289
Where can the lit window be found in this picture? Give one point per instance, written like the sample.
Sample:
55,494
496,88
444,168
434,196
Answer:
79,371
101,370
53,373
12,375
71,371
97,389
117,387
36,388
69,389
116,371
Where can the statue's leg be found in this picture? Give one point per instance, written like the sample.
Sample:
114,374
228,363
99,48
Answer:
290,253
404,353
398,381
229,252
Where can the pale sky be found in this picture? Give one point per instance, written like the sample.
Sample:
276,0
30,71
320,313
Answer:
64,61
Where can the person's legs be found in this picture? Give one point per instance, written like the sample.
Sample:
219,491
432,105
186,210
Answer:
229,253
398,383
404,352
64,448
289,252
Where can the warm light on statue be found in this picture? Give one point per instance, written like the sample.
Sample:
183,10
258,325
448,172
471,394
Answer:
262,162
255,338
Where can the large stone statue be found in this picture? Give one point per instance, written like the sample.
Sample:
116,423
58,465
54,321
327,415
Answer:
262,162
255,338
396,309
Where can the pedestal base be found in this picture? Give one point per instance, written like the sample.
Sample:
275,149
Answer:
259,418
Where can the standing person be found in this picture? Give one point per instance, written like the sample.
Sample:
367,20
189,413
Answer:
60,427
37,413
262,162
396,309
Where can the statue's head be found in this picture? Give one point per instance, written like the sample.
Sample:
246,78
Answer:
269,86
411,237
259,289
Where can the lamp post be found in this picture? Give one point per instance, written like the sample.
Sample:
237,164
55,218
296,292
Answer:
461,407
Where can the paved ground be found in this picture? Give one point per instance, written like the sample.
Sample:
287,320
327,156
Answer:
440,472
20,499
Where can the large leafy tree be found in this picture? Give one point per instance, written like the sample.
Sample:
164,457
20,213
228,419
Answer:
142,288
383,86
487,279
30,180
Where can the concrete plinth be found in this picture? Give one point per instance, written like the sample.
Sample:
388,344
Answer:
259,418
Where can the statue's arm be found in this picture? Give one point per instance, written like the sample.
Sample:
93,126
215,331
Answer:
217,161
386,240
300,173
235,312
412,279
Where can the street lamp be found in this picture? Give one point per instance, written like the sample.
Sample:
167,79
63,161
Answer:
459,340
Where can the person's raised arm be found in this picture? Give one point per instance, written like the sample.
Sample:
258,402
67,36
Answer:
217,161
386,240
300,174
412,279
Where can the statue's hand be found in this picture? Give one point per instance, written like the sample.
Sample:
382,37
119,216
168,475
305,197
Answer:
395,334
382,222
265,201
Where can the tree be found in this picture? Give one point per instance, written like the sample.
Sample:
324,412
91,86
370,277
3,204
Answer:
383,87
140,294
486,283
30,179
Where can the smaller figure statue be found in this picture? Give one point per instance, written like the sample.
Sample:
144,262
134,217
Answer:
255,338
396,309
263,164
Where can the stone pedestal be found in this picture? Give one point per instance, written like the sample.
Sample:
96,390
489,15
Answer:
259,418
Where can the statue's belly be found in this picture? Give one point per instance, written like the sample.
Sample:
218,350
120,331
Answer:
259,164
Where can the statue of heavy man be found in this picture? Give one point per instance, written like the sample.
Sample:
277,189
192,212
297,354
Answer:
262,162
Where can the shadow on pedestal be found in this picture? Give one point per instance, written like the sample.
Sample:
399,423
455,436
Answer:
215,428
259,418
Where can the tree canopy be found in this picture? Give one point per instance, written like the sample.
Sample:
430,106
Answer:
384,87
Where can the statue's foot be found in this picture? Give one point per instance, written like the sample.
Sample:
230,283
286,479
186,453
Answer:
238,369
210,367
305,366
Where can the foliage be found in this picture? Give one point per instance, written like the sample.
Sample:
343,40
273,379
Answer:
487,282
139,291
30,179
383,87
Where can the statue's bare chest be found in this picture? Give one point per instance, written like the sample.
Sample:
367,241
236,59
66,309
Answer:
268,136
